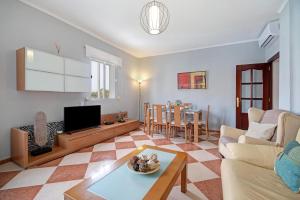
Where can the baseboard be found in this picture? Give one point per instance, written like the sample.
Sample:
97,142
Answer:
5,161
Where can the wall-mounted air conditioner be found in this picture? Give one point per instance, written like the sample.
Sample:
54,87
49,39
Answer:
268,34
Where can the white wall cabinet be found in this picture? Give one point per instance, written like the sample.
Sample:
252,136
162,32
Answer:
40,71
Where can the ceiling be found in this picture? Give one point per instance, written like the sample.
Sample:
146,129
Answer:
194,24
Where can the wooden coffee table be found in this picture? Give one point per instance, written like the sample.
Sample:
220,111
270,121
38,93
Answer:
160,189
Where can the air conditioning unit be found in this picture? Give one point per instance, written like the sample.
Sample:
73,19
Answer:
268,34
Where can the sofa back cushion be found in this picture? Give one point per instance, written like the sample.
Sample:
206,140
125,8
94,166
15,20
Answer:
287,166
271,117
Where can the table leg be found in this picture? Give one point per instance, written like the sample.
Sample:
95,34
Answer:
184,180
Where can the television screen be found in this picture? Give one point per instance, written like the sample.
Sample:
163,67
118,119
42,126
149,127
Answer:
81,117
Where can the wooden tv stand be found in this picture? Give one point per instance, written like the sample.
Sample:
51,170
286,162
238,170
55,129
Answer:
66,143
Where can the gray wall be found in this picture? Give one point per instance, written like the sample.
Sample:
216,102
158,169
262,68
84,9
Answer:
289,93
220,63
24,26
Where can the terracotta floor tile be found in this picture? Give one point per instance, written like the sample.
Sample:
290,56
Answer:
190,159
24,193
88,149
68,173
212,189
215,152
125,145
140,137
213,165
6,177
189,147
162,141
103,155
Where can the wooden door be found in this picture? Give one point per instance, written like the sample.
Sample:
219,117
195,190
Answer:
253,89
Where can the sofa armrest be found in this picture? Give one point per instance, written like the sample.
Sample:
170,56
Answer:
243,139
259,155
231,132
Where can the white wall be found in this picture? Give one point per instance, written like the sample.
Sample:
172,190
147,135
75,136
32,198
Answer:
220,63
289,93
24,26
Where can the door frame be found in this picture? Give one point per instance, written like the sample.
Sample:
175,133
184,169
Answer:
267,89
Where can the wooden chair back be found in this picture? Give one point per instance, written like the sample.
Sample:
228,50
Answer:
177,116
207,116
159,113
148,120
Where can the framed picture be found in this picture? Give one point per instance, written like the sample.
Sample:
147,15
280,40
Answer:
192,80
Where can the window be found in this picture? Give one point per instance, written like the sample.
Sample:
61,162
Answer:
104,80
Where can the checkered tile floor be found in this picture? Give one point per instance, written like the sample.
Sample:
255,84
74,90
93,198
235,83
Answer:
50,180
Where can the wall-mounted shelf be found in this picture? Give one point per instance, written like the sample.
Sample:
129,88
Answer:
41,71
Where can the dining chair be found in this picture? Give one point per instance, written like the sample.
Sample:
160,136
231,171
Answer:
204,125
160,119
149,120
146,106
177,122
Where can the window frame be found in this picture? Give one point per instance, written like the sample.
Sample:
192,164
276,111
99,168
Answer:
110,66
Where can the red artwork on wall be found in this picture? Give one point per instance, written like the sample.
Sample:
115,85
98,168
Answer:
192,80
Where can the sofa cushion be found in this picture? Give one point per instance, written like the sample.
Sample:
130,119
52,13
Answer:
245,181
225,140
261,131
271,117
287,166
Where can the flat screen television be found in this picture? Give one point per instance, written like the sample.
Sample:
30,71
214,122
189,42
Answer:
81,117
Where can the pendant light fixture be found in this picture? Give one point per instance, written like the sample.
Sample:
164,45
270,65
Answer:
154,17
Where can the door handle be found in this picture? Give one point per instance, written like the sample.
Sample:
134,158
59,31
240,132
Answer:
237,102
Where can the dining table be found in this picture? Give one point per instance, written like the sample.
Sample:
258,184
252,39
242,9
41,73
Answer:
195,114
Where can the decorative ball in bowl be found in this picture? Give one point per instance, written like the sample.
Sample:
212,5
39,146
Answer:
144,164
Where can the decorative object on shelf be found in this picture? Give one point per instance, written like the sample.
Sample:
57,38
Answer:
53,129
144,164
121,117
57,47
108,122
154,17
178,102
41,134
192,80
40,129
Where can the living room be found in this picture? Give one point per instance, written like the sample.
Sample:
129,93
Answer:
208,89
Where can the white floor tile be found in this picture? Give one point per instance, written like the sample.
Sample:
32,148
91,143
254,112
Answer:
193,193
76,158
178,140
158,136
206,145
96,169
10,166
144,142
123,152
202,155
171,147
30,177
198,172
137,133
55,190
104,147
123,139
